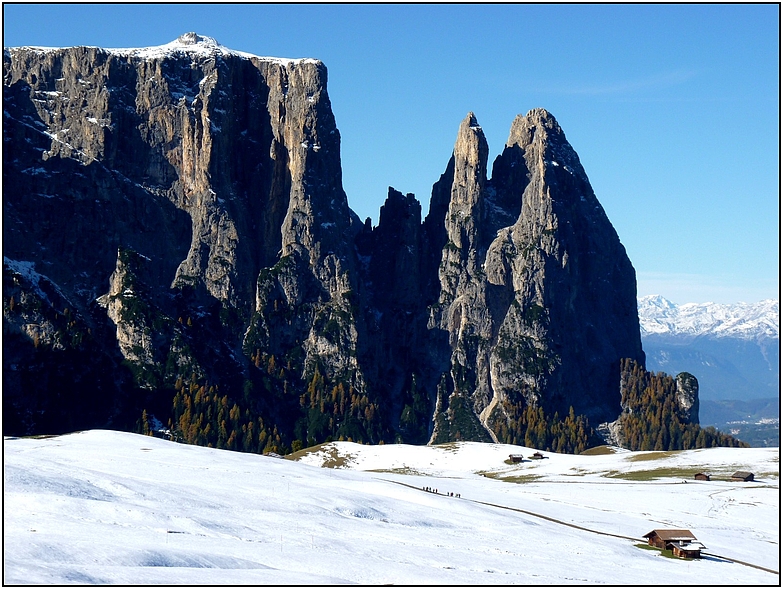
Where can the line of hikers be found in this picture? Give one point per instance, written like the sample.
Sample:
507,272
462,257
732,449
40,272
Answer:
431,490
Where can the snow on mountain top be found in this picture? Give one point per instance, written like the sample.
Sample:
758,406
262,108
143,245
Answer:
191,44
102,507
658,315
27,270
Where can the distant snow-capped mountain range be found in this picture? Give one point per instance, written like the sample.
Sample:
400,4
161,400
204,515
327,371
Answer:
750,321
734,351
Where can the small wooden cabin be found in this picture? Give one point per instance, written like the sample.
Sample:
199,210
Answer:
687,549
537,456
682,543
702,477
659,538
515,457
743,476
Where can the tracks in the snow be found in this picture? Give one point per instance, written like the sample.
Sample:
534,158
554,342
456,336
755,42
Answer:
575,526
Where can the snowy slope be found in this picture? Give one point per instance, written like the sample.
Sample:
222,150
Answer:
658,315
111,507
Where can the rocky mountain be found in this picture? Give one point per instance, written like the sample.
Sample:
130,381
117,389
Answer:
734,350
175,227
750,321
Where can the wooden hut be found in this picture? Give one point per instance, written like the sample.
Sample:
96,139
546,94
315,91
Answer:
537,456
515,457
743,476
659,538
682,543
687,549
701,476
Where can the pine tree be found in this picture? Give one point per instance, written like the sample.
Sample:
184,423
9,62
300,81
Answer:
145,424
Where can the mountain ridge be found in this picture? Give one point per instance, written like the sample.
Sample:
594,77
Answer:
658,315
186,207
189,43
733,349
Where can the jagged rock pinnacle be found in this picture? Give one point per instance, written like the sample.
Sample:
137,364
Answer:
523,128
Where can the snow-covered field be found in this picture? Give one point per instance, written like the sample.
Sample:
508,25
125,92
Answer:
117,508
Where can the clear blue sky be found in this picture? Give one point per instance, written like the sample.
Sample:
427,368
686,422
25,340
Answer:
673,109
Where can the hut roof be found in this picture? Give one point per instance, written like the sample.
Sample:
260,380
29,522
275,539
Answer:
741,474
671,535
692,546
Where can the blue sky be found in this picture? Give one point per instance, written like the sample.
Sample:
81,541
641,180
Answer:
673,109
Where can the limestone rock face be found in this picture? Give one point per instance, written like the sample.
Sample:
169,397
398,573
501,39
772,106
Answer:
210,163
688,396
537,292
573,283
246,147
176,215
126,307
462,308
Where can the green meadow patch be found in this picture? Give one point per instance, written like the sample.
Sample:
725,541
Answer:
664,553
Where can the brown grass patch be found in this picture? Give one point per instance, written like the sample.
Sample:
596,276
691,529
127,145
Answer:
599,451
332,458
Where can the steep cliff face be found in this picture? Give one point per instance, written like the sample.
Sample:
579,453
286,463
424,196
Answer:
185,204
537,292
462,309
572,278
247,147
209,163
